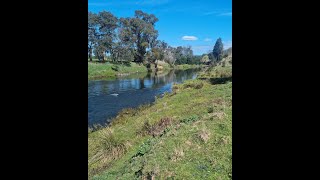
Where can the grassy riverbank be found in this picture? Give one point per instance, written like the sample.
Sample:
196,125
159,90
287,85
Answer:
177,137
98,70
102,70
187,66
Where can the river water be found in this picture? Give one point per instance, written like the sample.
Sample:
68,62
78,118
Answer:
107,97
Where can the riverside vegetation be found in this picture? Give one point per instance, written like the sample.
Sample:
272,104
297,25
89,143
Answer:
177,137
98,70
186,134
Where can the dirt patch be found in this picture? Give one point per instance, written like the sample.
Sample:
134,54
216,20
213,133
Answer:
204,135
177,155
219,115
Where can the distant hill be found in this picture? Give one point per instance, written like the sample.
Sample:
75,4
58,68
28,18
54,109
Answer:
228,51
227,61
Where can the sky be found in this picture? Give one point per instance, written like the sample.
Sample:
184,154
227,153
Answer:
195,23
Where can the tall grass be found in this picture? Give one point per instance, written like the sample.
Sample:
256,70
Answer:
184,135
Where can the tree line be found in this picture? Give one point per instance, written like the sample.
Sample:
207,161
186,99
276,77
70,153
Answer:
134,39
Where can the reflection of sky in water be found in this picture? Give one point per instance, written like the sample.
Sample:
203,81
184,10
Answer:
132,93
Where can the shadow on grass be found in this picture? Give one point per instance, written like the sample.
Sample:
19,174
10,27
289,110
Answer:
218,80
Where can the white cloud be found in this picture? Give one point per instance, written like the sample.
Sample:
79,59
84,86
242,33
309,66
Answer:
218,12
209,13
225,14
189,38
207,39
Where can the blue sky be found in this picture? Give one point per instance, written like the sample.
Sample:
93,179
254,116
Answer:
197,23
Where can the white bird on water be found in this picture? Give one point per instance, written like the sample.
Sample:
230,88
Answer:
114,94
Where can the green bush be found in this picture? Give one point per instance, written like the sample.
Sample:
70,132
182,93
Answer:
193,84
190,119
115,68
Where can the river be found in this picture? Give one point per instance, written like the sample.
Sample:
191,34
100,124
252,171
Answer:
106,97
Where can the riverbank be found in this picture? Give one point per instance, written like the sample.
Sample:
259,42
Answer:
98,70
187,66
178,137
109,70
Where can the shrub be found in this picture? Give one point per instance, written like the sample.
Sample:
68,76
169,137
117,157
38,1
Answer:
210,109
190,119
193,84
157,129
115,68
175,86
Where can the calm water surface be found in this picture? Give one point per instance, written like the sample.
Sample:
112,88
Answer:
107,97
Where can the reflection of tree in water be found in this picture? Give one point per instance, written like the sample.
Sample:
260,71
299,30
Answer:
161,79
155,79
141,82
182,75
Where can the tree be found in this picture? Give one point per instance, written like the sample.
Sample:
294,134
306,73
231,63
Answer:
92,32
218,50
228,52
106,34
158,52
169,57
183,55
120,52
211,57
205,59
139,33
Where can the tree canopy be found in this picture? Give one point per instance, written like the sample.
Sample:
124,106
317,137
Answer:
218,50
135,39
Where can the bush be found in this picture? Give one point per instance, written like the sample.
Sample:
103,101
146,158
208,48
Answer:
175,87
193,84
190,119
156,129
115,68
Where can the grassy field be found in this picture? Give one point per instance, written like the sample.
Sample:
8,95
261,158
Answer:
102,70
177,137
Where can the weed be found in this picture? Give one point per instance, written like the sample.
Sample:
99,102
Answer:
190,119
193,84
210,109
157,129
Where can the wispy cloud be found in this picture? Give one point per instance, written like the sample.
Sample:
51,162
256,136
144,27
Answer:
218,13
210,13
225,14
189,38
207,39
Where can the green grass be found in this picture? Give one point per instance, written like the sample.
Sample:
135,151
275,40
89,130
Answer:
97,70
177,137
109,70
187,66
216,72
